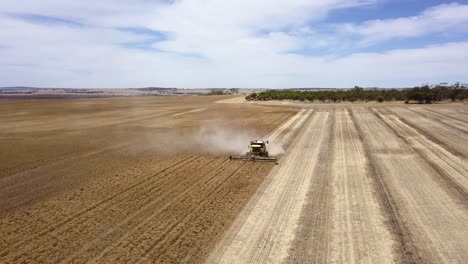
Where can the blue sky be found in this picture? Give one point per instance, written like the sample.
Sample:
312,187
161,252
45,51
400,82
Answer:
386,10
214,43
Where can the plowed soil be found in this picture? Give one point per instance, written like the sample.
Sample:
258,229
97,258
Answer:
129,180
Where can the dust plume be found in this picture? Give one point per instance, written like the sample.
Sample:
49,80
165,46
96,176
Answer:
275,149
223,138
218,137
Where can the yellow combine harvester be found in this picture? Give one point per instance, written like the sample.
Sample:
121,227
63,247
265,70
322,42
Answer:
257,152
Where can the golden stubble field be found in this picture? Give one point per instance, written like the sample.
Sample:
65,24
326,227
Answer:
148,180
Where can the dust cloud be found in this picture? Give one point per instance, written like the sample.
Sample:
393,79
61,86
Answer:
222,138
275,149
213,137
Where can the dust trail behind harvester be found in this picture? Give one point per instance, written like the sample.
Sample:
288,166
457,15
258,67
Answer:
220,138
215,137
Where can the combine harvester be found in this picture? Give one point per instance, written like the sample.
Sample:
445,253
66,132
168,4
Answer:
257,152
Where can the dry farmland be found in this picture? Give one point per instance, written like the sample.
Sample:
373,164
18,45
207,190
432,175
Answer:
148,179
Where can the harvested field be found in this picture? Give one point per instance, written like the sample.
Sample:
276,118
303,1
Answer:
361,184
121,180
148,180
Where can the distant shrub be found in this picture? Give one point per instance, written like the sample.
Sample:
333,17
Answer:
216,92
252,96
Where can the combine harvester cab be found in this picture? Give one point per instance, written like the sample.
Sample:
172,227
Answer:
257,152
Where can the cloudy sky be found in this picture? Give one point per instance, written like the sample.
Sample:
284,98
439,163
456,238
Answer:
241,43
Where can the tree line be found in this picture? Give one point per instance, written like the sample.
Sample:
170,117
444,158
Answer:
223,91
422,94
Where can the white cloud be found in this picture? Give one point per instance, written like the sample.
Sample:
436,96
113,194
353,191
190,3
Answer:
211,44
438,19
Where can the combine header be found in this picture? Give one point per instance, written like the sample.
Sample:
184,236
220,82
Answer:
257,152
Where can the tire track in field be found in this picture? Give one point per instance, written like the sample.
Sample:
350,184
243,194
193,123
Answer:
171,167
432,221
456,114
264,229
442,119
448,114
312,236
434,131
280,130
463,111
271,234
403,240
289,134
342,221
277,135
189,112
370,236
454,170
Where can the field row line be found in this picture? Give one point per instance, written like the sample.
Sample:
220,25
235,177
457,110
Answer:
173,166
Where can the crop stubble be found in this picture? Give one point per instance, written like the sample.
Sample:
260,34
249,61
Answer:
357,184
382,188
126,201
